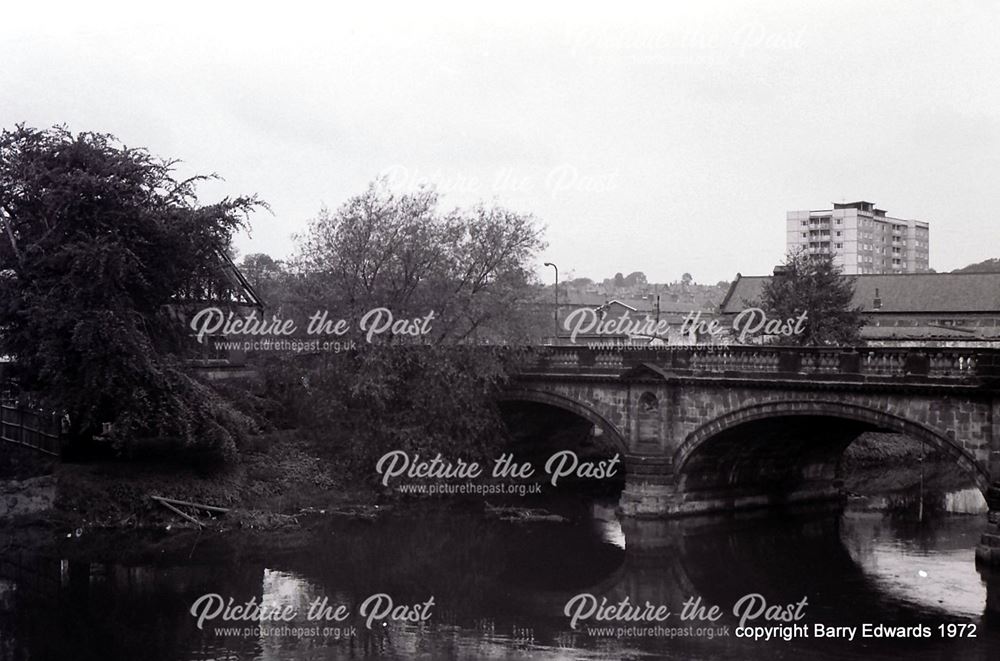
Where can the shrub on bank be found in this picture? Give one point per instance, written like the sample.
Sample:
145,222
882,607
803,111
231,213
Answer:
424,400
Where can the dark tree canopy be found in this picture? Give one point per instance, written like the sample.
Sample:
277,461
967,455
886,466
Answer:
401,251
635,278
96,240
815,285
471,267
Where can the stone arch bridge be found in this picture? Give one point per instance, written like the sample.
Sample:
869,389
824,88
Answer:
704,429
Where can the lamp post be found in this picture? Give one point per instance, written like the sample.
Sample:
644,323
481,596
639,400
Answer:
555,314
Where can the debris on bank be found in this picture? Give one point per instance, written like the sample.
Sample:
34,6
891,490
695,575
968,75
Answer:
524,514
262,519
175,506
361,512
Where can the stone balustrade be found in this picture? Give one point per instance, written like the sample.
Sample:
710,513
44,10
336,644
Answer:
821,363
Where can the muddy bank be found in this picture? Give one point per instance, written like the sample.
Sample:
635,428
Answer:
892,464
27,497
883,449
272,485
939,476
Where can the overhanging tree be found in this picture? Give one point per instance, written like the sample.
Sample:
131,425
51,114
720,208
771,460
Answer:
815,285
96,238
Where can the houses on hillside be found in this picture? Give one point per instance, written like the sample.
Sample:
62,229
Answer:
905,309
616,322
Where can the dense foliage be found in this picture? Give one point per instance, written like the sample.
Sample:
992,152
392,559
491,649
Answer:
815,285
420,393
96,240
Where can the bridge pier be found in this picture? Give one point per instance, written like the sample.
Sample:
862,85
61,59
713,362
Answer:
662,498
719,483
988,550
991,577
650,490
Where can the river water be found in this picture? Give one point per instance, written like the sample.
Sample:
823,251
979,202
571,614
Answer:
499,588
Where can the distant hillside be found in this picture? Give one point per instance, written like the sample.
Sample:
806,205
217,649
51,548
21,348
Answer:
991,265
682,295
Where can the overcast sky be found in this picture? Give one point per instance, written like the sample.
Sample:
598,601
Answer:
645,139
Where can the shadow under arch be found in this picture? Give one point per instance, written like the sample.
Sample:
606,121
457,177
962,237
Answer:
567,404
875,420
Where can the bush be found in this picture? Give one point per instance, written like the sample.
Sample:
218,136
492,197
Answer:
423,400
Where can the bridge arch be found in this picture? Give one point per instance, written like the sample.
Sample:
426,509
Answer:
571,405
877,420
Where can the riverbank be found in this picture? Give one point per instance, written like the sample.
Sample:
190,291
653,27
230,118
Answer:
281,477
882,449
278,478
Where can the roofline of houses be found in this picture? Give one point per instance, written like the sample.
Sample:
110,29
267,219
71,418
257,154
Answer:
874,311
732,290
615,300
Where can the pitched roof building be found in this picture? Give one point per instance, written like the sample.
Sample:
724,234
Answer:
945,308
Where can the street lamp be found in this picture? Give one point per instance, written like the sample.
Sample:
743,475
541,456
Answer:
555,314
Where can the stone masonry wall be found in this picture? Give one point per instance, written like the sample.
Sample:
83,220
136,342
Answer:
961,422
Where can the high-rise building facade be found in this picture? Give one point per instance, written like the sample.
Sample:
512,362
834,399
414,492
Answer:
861,238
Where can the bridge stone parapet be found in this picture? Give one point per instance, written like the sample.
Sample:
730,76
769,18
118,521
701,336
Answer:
852,363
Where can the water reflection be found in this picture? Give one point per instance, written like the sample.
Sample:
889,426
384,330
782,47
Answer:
606,521
965,501
920,564
499,587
